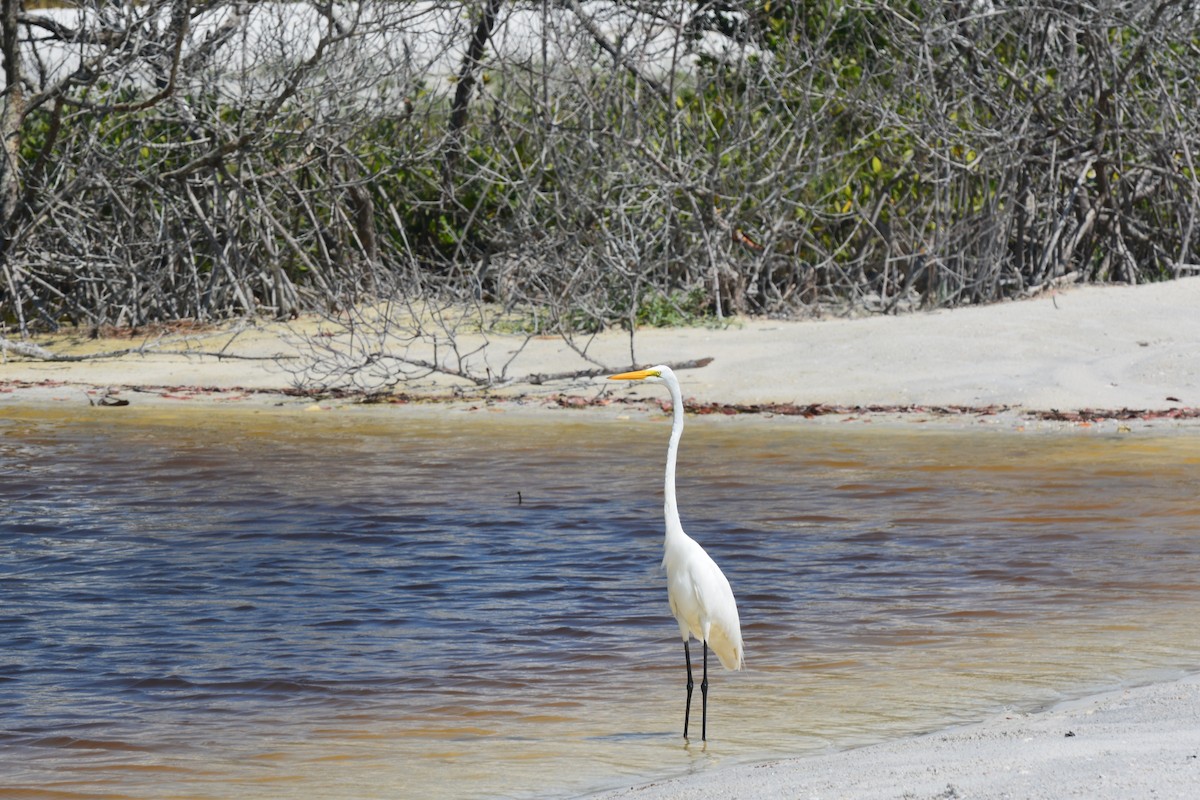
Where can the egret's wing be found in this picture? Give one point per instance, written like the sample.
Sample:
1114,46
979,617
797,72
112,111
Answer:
702,600
725,627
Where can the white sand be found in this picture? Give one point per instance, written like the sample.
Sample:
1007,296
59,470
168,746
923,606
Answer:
1090,347
1107,347
1128,744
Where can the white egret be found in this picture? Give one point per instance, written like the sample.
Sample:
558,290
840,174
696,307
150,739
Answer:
698,591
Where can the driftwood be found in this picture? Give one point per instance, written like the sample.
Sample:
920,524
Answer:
29,350
537,379
38,353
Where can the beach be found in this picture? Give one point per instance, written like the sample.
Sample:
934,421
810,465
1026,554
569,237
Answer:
1088,348
1131,743
1102,360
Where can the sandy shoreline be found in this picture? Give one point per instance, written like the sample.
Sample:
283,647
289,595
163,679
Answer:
1108,348
1131,743
1133,349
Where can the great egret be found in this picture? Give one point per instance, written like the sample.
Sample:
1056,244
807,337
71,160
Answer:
698,591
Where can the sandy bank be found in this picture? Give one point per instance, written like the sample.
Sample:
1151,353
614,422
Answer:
1133,743
1116,347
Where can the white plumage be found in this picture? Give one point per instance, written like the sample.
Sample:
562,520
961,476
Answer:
699,593
701,599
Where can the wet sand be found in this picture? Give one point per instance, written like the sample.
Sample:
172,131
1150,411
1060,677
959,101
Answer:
1130,743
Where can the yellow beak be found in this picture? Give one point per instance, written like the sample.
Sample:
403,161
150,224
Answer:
636,375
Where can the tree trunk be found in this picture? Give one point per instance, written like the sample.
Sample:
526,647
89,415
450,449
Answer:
466,77
11,117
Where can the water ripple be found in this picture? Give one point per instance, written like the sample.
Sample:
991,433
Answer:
261,601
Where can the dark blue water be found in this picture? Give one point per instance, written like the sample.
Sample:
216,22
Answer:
454,604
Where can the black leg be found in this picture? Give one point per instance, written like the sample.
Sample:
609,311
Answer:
704,697
687,710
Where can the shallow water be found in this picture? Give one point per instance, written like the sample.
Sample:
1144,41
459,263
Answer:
408,604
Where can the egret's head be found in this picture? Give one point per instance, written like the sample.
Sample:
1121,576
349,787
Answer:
651,375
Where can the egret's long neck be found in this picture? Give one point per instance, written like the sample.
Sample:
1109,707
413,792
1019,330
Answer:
670,507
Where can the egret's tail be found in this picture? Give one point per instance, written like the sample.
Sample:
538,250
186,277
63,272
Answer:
728,650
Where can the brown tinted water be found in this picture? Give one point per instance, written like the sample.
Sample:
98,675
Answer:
283,605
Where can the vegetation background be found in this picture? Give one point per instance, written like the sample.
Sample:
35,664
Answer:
418,169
